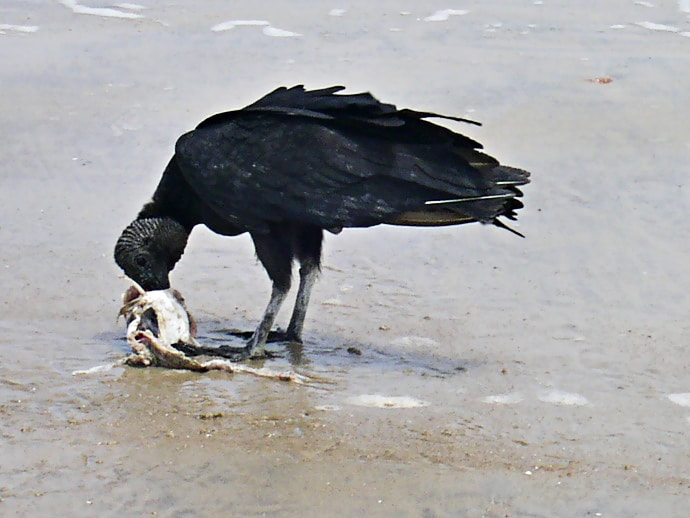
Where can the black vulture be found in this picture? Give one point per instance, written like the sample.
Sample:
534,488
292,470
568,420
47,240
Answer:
298,162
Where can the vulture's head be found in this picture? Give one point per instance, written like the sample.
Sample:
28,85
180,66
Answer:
148,249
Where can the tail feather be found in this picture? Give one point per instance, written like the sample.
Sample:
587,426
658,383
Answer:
499,201
454,201
500,224
505,175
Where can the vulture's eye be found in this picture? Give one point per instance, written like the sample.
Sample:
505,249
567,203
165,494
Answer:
141,261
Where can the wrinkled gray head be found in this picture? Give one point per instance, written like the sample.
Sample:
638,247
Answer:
148,249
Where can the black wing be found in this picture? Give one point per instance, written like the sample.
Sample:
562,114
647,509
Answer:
323,104
334,161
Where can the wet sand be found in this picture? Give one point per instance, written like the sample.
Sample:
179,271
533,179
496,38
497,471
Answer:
553,370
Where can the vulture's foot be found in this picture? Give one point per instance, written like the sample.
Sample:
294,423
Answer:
235,354
273,336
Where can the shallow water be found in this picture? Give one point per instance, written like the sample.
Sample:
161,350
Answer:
497,376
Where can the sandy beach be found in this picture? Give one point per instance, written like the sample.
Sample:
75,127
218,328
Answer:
498,376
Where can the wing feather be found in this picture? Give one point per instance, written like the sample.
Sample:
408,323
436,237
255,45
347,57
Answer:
331,160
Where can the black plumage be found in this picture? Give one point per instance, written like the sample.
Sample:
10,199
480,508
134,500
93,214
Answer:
297,162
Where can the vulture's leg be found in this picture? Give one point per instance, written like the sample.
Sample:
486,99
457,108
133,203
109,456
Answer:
275,253
308,273
307,247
